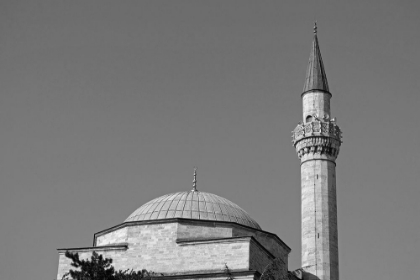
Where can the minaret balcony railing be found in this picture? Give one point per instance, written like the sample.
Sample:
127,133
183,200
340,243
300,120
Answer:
326,128
317,137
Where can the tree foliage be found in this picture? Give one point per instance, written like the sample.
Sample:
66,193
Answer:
228,272
133,275
100,268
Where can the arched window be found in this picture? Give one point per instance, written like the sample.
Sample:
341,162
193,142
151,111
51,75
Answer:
308,118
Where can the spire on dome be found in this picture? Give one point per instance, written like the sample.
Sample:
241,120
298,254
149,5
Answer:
195,181
316,79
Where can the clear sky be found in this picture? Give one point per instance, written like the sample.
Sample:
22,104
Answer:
106,105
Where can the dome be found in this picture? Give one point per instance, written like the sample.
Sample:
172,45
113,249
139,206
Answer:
193,205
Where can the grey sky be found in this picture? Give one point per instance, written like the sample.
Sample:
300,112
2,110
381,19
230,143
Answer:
107,105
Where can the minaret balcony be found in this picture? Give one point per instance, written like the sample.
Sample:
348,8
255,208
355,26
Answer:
320,136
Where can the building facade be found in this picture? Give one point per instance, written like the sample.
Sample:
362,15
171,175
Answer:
187,235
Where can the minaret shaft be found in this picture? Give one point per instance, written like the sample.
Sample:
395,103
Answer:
319,219
317,140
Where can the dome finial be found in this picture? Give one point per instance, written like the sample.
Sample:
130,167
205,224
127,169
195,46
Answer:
315,28
195,180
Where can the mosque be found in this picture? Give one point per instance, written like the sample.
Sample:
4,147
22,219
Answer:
199,235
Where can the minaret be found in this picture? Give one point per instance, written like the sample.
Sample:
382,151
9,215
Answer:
317,140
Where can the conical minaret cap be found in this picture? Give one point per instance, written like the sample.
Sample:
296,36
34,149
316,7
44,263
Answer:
316,78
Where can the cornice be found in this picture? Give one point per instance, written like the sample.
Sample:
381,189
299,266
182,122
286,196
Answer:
197,241
121,246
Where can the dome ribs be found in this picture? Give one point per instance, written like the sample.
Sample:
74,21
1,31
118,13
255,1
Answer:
195,205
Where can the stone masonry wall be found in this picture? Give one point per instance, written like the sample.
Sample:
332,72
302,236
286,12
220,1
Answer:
114,237
267,241
259,258
188,231
154,247
204,256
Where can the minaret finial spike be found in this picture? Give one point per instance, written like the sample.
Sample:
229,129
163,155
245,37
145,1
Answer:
195,180
315,28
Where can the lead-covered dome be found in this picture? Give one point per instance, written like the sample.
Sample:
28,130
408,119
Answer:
193,205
